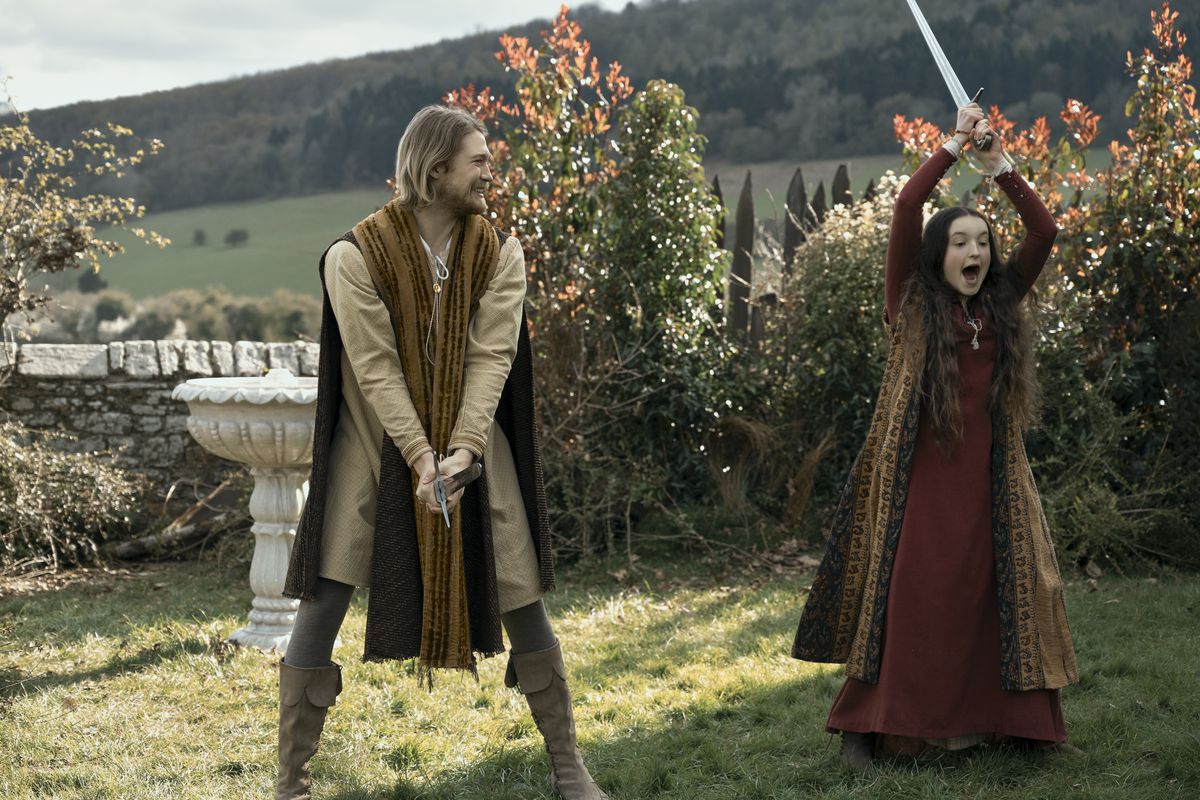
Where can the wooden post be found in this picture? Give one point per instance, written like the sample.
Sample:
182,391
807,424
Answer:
796,213
720,221
742,273
840,191
818,203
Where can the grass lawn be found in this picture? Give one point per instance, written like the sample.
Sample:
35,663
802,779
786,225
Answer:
120,686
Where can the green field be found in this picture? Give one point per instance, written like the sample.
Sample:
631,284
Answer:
770,180
286,239
287,236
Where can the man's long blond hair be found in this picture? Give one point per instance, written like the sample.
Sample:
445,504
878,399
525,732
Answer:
431,138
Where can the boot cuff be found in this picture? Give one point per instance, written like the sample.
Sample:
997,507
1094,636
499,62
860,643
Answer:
321,685
532,672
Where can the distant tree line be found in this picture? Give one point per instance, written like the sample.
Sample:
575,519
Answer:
772,79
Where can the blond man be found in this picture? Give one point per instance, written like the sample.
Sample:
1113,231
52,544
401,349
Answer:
425,372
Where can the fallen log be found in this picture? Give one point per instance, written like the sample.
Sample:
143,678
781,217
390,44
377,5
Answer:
202,520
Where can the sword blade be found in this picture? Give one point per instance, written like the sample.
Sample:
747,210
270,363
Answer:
943,64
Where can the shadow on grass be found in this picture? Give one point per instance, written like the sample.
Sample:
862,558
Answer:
141,621
765,742
12,685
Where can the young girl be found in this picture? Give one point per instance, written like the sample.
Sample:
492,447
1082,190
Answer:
939,588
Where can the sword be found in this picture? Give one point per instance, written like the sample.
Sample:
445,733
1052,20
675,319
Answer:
460,480
445,488
439,488
948,75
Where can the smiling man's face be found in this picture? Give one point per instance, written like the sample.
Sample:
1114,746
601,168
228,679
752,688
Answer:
461,184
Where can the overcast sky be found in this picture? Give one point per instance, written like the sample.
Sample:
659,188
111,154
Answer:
63,51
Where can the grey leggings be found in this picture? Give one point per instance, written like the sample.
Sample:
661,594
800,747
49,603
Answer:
318,622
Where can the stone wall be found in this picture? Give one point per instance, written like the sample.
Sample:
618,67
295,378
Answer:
117,397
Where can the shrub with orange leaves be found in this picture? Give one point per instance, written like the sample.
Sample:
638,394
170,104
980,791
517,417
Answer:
552,148
621,283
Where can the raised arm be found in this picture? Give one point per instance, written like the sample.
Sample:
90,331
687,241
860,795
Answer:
1031,254
905,238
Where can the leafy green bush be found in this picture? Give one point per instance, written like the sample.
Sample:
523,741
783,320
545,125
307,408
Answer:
807,391
56,507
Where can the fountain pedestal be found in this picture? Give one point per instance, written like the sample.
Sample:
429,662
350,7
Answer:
266,423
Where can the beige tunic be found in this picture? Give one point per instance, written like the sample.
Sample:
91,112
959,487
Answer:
375,399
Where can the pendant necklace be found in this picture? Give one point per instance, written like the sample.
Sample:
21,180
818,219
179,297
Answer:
975,325
441,273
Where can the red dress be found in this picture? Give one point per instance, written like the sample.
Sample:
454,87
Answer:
940,674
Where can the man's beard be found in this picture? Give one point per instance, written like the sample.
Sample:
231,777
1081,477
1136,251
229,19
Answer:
465,203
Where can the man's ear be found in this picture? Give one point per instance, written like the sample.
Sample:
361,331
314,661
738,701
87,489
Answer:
438,171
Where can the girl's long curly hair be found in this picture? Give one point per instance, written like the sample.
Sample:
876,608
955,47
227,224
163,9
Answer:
926,311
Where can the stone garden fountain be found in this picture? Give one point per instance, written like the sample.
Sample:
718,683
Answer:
267,423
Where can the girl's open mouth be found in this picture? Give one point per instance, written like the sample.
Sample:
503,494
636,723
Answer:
971,274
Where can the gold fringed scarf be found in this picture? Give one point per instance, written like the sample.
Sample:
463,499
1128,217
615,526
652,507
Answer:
391,246
844,616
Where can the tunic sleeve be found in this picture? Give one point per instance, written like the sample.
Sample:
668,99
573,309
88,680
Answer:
1031,254
905,238
370,344
491,348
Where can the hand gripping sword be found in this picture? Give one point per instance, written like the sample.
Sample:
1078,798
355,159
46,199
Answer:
948,75
444,488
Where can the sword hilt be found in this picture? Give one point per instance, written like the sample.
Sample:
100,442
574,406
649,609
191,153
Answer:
983,143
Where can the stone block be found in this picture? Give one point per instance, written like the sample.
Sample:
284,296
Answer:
222,359
161,451
169,352
89,444
63,360
124,446
107,422
116,356
21,404
176,423
283,355
249,358
196,360
310,357
43,419
141,359
150,424
147,410
133,386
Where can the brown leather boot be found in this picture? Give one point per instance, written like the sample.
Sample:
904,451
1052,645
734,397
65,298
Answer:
305,696
542,678
858,750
